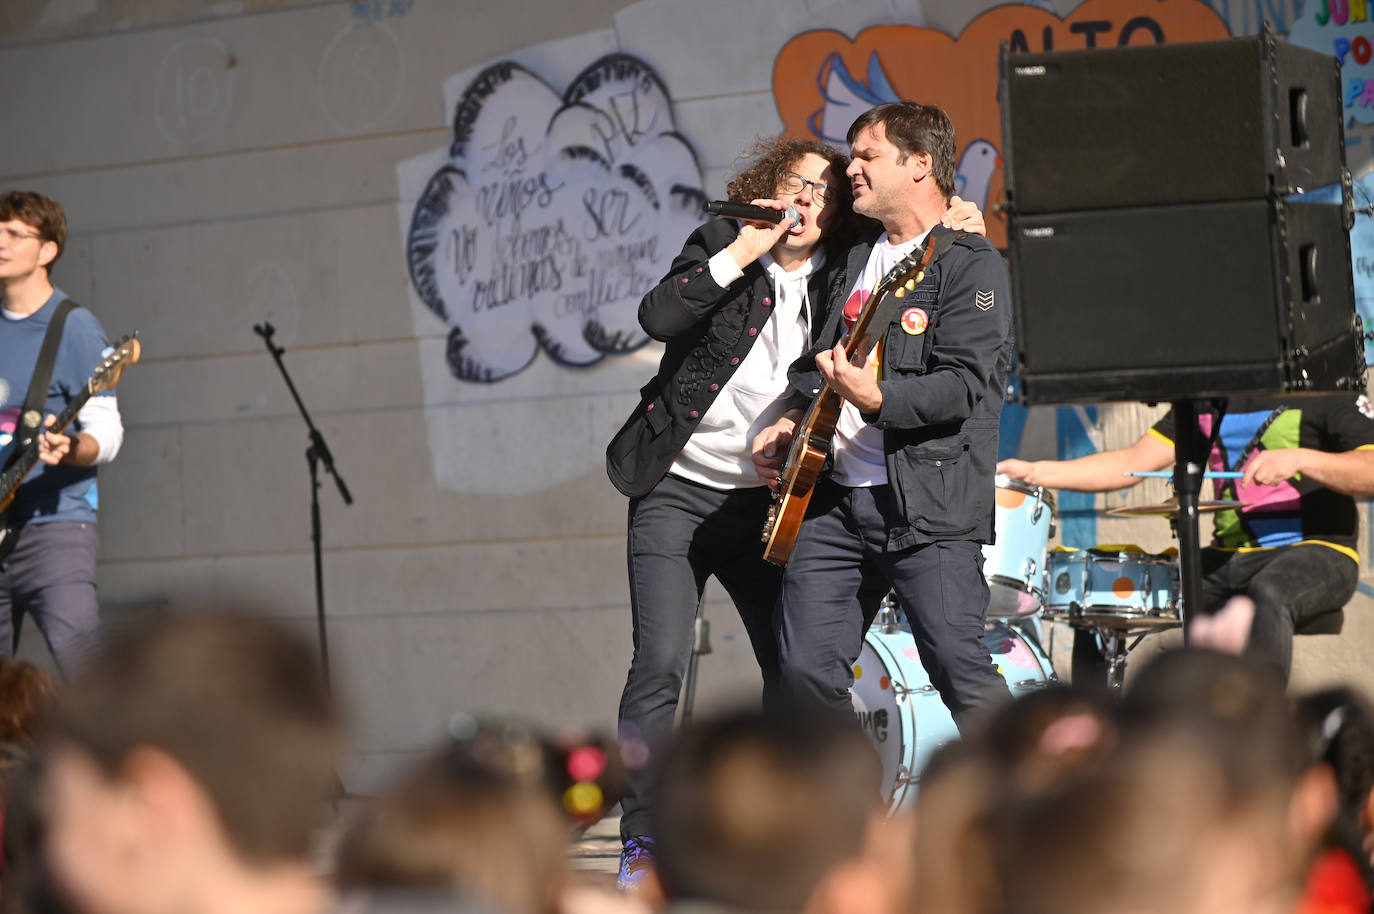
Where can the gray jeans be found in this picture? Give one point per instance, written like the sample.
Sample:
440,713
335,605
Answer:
681,534
51,576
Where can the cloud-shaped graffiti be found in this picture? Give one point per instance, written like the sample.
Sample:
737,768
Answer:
553,216
1344,29
824,79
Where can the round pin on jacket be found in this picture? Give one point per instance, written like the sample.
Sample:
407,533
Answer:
915,321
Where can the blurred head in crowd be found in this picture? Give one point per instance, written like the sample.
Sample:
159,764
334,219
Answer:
1340,723
187,768
772,812
1199,804
1156,827
488,816
25,693
1240,711
968,787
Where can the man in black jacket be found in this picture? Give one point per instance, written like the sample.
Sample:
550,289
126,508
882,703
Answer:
909,500
738,306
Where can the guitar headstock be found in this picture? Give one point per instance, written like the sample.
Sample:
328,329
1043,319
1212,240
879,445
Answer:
125,352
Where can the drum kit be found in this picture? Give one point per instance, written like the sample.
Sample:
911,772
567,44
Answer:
1118,593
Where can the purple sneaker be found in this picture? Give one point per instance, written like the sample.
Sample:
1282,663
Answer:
636,860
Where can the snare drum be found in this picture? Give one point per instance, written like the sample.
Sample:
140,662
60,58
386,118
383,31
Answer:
1114,588
1015,564
902,713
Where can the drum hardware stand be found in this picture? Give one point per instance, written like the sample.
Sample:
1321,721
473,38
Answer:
889,617
317,453
701,646
1114,646
1116,649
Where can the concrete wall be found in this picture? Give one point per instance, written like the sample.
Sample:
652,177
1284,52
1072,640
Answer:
224,164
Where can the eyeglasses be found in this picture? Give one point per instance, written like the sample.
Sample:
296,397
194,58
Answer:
793,183
17,236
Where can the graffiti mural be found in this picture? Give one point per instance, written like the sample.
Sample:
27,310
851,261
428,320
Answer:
822,80
552,216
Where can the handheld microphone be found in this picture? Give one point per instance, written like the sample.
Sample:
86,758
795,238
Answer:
751,213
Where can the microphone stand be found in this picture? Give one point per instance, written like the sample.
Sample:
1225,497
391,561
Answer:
315,454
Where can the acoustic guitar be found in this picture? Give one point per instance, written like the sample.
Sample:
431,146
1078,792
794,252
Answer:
811,441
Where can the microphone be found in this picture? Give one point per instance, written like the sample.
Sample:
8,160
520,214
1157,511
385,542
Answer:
750,213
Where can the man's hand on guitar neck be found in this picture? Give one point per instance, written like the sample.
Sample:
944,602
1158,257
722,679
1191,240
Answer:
770,447
56,447
856,383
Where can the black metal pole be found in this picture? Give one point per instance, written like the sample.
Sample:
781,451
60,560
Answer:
1189,463
317,547
317,453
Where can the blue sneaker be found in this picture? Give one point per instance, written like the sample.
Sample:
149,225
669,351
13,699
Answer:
636,860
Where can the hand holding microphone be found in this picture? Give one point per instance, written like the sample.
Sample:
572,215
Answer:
748,212
764,224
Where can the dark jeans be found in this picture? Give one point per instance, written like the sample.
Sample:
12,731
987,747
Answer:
680,534
837,576
1291,585
51,575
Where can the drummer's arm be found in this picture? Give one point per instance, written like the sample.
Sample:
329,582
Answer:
1101,472
1347,472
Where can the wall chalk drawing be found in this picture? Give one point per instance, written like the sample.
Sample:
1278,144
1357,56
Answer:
822,80
552,216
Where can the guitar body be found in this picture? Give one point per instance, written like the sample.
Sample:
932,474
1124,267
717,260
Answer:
799,477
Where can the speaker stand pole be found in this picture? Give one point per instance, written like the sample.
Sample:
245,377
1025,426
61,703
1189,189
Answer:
1189,462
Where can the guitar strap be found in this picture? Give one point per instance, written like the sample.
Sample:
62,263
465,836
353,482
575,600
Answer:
35,402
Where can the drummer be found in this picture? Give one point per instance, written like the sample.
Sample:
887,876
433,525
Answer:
1291,545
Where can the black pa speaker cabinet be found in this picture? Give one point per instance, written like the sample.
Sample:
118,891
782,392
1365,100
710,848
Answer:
1187,301
1180,123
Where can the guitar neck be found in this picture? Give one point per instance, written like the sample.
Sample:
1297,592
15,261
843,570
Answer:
24,462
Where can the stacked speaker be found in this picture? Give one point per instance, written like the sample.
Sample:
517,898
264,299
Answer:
1157,250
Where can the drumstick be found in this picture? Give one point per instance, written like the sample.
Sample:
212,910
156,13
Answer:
1168,474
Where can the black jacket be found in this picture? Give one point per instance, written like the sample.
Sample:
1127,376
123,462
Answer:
942,392
708,330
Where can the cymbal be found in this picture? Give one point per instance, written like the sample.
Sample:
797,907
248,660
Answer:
1170,508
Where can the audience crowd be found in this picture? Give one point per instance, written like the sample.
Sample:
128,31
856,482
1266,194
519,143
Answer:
191,767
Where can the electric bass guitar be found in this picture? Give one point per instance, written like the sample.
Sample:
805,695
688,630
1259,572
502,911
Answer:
106,375
811,440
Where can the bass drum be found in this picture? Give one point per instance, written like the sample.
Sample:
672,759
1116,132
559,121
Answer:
901,712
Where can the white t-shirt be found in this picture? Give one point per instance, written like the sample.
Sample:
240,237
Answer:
719,453
859,458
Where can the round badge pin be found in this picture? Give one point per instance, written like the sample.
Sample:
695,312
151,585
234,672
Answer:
915,321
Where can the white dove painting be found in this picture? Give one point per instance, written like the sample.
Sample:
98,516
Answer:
847,97
973,174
